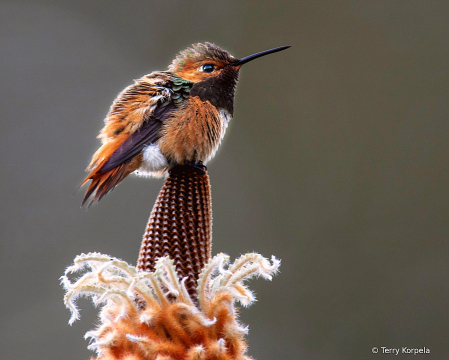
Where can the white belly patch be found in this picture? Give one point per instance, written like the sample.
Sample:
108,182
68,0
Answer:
154,162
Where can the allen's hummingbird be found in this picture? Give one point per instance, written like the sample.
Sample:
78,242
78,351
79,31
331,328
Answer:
168,118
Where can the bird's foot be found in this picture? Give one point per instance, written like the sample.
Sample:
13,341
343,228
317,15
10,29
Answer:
198,167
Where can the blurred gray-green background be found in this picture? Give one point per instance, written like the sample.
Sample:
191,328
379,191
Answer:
336,162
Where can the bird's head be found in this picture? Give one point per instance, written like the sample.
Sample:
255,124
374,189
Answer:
213,71
201,62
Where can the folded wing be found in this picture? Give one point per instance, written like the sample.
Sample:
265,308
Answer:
133,122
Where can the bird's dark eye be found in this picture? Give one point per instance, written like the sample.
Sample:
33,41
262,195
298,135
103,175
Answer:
208,68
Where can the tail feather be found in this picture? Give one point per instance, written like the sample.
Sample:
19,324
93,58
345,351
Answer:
103,182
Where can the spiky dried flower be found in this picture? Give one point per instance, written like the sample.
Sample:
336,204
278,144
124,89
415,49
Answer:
170,325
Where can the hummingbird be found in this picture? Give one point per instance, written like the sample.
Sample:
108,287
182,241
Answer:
168,118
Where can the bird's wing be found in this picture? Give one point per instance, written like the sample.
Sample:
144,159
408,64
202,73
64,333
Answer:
132,108
134,121
147,134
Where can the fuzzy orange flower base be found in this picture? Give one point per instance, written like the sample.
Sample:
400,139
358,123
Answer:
150,316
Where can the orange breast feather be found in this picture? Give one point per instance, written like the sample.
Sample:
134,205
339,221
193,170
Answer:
192,132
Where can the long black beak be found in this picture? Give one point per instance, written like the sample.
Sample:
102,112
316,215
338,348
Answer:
258,55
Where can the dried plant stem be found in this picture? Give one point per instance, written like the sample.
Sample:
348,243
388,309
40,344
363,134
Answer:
179,303
180,226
